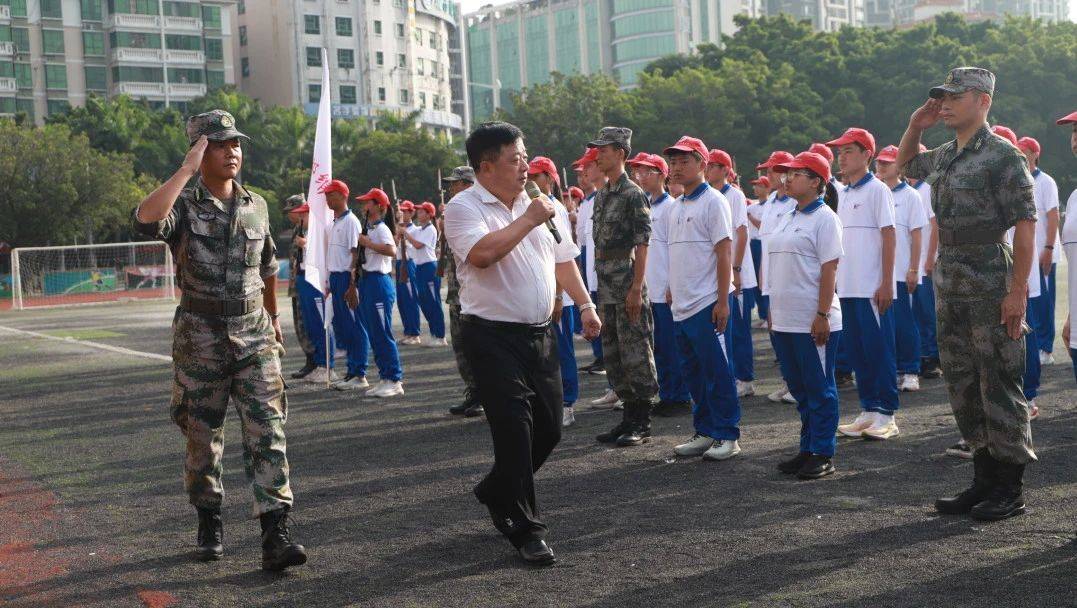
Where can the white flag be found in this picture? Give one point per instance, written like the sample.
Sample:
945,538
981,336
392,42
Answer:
321,173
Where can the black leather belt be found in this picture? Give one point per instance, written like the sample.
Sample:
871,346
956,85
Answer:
220,308
506,325
948,236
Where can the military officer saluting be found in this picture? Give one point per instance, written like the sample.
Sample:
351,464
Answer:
227,338
980,188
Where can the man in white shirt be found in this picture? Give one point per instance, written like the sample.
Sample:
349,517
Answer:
377,293
590,180
510,267
422,239
1069,243
342,254
1047,222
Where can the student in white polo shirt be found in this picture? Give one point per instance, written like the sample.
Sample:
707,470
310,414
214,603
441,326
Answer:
805,248
341,255
590,180
924,297
909,223
761,191
407,301
866,286
1069,244
1047,223
422,239
377,293
700,269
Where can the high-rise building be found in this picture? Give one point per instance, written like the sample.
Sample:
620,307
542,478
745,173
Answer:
54,53
904,13
384,56
825,15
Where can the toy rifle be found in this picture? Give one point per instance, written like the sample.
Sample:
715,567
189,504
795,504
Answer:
402,274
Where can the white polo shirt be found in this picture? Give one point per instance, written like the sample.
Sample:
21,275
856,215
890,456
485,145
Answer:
585,237
1034,274
924,190
428,236
376,262
799,246
864,208
343,237
657,271
521,286
908,216
754,209
1045,191
698,221
1069,243
738,211
772,210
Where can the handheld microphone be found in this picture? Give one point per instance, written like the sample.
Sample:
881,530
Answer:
533,192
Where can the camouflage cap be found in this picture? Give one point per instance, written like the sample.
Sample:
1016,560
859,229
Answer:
292,202
463,173
216,125
613,136
965,79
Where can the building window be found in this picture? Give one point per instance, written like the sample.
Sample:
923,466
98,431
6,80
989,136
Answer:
435,68
52,9
242,35
418,34
314,93
437,103
314,57
377,27
419,67
18,9
138,7
134,40
180,42
398,3
211,17
433,40
405,98
180,9
312,24
91,10
245,66
345,58
422,101
56,76
241,7
21,37
399,30
7,105
24,78
214,49
379,58
93,43
58,106
96,78
381,94
344,26
187,75
347,94
214,79
26,106
53,41
401,61
133,74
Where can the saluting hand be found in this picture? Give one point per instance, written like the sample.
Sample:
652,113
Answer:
926,115
592,326
193,160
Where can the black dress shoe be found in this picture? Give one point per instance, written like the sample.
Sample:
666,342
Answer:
791,466
537,553
460,408
304,371
635,435
815,466
476,409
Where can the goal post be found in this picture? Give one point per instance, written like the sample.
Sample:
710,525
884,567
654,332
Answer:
91,274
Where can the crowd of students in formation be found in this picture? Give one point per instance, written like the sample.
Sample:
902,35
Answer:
832,248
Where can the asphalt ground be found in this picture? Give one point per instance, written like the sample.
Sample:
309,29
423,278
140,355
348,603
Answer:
93,513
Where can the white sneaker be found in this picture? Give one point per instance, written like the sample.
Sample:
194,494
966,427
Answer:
569,417
321,375
745,388
696,446
1033,411
788,398
355,383
437,342
910,383
608,398
411,340
389,388
856,427
375,388
777,395
884,427
1046,358
721,450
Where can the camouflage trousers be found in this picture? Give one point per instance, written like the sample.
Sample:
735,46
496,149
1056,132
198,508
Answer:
458,349
301,330
984,370
200,397
628,353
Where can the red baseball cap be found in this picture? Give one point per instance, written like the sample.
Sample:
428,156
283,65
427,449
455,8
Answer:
541,164
575,193
888,154
336,186
1029,143
822,150
720,157
590,156
761,180
855,135
689,144
407,206
653,161
428,207
377,195
639,158
1067,119
1005,133
807,160
776,158
301,209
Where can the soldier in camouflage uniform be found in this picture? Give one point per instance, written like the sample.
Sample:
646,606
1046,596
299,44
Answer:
295,259
980,187
459,180
227,337
622,231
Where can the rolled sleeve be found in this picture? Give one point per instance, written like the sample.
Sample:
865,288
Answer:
920,166
640,209
163,230
1015,190
464,227
269,265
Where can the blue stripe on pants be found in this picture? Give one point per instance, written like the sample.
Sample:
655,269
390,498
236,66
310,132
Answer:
311,302
1045,312
377,307
924,303
1031,380
870,339
667,358
425,284
1073,359
906,332
566,353
810,377
842,364
738,335
407,301
716,411
348,325
755,246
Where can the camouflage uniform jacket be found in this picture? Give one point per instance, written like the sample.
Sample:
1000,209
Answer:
622,220
984,187
223,251
295,260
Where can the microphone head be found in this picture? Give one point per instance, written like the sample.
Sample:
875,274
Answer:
532,189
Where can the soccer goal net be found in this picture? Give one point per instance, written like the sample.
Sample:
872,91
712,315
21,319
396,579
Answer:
89,274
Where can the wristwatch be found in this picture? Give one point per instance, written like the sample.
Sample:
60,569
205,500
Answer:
587,306
825,315
736,268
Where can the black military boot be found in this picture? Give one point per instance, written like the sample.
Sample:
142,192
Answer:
462,407
982,483
639,433
1005,499
613,434
304,371
279,551
210,535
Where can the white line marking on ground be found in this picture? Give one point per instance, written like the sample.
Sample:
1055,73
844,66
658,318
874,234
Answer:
115,349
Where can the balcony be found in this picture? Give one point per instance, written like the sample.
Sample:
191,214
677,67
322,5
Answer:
7,49
5,14
187,90
132,55
438,118
185,57
139,89
125,21
7,85
175,25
